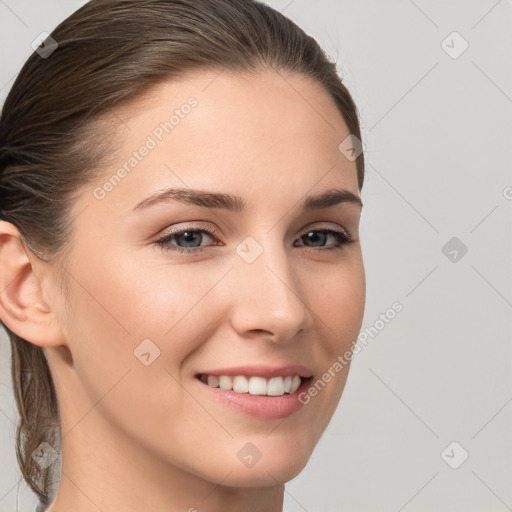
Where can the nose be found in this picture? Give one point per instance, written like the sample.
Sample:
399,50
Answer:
269,297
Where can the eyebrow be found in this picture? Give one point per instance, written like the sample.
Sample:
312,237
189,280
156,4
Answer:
236,203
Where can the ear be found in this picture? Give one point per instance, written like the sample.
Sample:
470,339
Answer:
23,308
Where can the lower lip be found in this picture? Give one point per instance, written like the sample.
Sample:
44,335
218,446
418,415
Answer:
260,406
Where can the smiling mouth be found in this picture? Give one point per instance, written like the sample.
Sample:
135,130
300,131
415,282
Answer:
254,385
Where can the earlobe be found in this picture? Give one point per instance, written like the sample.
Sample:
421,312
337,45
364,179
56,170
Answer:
22,306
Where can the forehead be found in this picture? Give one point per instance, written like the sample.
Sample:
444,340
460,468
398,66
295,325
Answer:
237,110
213,128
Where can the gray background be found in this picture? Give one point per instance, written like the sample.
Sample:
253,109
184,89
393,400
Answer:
438,133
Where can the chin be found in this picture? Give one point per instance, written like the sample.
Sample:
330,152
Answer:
269,466
263,475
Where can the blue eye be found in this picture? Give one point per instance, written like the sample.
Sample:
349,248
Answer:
184,235
342,237
191,236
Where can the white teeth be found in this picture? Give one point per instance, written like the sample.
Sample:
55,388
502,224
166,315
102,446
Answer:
276,386
240,384
225,382
295,384
257,386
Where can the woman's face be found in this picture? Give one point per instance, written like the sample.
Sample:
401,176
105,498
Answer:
263,287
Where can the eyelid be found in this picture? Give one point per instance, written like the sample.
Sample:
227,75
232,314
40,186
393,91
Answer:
314,226
213,231
192,226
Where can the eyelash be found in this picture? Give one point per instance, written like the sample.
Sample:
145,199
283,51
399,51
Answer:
344,239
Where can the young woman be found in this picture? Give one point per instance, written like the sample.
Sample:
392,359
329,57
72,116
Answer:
182,279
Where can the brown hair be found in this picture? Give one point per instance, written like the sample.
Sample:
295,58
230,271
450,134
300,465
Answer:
53,133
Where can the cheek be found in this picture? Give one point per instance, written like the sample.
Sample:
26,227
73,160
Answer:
149,298
117,304
339,301
176,306
338,304
121,307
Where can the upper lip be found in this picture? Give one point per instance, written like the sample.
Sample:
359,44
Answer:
263,371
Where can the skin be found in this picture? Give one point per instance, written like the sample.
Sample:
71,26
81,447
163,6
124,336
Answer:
139,437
